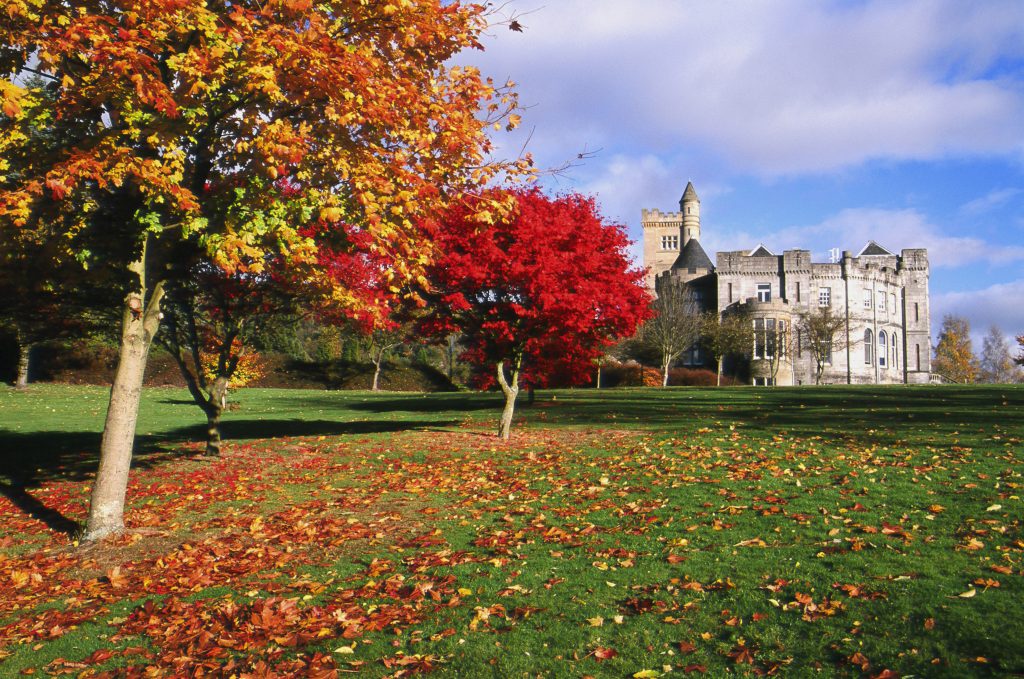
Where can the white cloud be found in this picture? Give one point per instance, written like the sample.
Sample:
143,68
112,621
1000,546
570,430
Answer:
852,228
773,87
998,305
990,201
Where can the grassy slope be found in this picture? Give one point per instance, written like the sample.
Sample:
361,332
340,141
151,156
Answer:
734,530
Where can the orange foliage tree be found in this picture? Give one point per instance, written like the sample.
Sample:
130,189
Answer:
174,120
954,357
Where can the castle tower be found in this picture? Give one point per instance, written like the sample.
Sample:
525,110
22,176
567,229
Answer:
661,241
689,205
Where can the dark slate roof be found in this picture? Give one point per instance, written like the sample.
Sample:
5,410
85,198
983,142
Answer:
873,248
690,193
693,257
761,251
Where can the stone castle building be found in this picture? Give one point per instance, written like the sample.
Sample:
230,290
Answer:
882,297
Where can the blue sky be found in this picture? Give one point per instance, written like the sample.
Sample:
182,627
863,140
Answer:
801,124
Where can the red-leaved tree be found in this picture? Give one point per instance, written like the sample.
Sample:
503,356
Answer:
537,295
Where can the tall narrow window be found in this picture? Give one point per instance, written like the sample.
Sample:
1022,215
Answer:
917,317
824,296
883,346
881,300
798,291
869,343
769,337
781,340
895,356
867,298
759,338
764,292
917,350
730,293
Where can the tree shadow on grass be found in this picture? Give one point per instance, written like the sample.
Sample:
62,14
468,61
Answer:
236,430
30,459
432,403
880,415
31,506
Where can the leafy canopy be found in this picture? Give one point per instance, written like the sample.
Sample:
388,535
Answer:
545,288
232,125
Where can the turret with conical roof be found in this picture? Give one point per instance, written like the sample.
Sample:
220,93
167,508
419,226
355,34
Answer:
689,205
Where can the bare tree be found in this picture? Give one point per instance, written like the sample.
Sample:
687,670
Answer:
675,327
726,335
997,364
778,347
379,343
822,333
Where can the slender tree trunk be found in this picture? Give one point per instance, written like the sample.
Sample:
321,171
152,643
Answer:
511,390
214,409
664,373
597,384
376,373
718,379
139,325
451,358
24,358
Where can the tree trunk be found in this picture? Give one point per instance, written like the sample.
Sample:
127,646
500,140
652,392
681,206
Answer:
106,505
376,375
24,358
451,358
511,390
718,379
214,409
597,384
664,373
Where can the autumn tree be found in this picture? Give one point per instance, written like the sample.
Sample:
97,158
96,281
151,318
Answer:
675,324
536,294
206,318
45,294
43,297
1019,360
996,365
822,333
727,334
176,121
954,357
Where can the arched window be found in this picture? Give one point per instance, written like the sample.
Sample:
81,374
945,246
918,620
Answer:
895,354
883,348
869,343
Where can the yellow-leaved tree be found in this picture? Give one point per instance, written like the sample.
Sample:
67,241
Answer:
954,357
163,131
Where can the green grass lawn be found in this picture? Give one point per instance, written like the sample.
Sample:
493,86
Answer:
826,531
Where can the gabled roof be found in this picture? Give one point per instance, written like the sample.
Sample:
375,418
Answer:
693,257
690,193
761,251
874,249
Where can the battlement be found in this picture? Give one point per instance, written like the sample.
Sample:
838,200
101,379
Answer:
656,217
